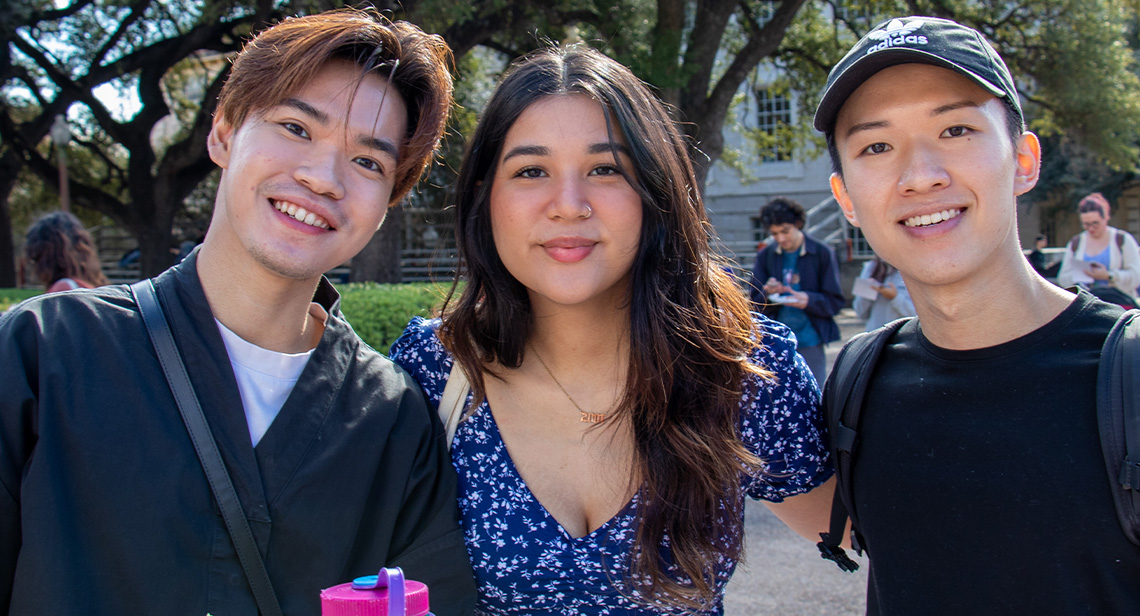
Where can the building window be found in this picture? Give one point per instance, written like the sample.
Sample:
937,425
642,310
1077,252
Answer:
773,112
859,247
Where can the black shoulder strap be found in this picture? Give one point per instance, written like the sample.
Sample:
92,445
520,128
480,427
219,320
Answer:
1119,239
842,403
206,448
1074,242
1118,415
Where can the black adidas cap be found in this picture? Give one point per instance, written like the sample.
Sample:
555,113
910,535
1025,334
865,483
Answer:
923,40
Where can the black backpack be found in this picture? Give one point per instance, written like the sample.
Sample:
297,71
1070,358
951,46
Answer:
1076,240
1117,407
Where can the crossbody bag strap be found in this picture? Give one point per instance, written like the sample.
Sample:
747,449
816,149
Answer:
451,403
206,447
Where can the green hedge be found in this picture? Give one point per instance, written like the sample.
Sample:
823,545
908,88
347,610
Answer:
12,296
378,312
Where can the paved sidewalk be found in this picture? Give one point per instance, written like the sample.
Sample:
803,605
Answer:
783,574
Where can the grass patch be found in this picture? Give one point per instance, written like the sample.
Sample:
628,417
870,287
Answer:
8,297
379,312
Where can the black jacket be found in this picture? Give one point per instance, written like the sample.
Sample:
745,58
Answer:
104,508
819,278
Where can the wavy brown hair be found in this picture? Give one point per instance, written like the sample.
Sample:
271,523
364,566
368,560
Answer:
59,247
690,328
280,60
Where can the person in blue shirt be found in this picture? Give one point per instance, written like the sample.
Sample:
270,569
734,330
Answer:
798,277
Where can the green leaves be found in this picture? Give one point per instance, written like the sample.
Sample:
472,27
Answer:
379,312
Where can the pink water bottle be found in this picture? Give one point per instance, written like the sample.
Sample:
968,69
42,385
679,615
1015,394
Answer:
386,594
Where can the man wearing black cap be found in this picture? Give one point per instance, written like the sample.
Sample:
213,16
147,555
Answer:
979,484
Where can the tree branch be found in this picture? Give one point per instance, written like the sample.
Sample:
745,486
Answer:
83,194
763,44
704,43
137,11
71,91
55,14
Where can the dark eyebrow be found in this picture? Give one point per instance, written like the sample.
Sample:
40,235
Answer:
383,145
526,150
539,150
867,126
322,118
954,106
937,111
609,146
307,109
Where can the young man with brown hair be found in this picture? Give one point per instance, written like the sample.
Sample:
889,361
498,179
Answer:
338,464
979,485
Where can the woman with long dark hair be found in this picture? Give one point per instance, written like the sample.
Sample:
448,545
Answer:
624,401
63,254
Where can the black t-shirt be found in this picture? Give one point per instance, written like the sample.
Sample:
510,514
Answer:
980,485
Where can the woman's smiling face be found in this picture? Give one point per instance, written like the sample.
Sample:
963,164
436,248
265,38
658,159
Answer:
565,218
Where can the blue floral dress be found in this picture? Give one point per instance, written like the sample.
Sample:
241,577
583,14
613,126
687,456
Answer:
526,563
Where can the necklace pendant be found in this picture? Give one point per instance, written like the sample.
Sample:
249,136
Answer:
592,417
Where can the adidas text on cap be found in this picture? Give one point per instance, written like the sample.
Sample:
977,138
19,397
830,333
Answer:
923,40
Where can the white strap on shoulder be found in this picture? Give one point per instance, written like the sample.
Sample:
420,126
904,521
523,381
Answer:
453,399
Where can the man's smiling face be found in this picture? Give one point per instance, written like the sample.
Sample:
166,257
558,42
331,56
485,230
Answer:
930,173
306,183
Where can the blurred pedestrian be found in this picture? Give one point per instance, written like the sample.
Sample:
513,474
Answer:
800,274
881,295
1040,261
63,254
1100,256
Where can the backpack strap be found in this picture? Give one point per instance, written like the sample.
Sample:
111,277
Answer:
452,401
1118,416
1073,243
842,403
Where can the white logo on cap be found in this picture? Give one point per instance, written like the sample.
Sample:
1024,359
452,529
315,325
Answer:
897,34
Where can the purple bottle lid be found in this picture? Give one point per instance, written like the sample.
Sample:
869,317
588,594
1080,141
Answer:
385,594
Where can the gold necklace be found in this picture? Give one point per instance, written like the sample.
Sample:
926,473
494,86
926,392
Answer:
587,416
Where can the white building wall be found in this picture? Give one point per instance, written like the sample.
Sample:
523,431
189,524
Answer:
733,199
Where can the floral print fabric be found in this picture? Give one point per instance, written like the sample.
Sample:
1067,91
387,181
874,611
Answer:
526,563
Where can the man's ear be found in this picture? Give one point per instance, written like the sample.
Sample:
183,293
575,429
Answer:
839,190
220,141
1028,156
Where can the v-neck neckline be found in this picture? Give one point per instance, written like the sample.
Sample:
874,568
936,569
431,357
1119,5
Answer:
626,509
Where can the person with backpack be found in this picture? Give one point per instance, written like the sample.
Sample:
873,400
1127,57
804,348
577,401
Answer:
1101,257
973,470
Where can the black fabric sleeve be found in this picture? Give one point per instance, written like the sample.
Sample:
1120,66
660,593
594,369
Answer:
434,552
829,299
760,275
18,356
